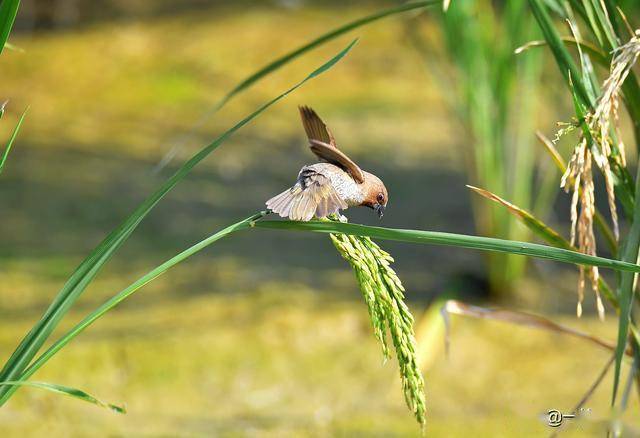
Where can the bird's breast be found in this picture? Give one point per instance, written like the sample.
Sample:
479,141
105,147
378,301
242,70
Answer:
342,182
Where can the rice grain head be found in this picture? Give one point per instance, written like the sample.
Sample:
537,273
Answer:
384,295
603,124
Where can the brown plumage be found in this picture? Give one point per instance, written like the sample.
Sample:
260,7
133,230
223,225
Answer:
333,184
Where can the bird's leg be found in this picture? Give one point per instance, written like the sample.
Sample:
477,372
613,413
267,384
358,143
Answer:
336,217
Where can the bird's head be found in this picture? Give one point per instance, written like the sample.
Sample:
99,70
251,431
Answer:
375,193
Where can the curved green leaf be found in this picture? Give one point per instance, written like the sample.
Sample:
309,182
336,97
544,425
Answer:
131,289
332,34
90,266
598,55
8,12
7,148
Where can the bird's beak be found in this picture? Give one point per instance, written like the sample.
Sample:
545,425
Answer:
379,208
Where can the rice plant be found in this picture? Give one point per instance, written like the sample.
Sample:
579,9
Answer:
597,103
495,95
595,33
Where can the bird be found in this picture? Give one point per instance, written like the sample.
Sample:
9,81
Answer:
335,183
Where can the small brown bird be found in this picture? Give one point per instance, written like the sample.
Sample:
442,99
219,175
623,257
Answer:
334,184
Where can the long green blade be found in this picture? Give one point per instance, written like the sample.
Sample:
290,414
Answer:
8,11
89,268
14,134
413,236
627,291
565,62
460,240
593,51
285,59
135,286
71,392
332,34
537,226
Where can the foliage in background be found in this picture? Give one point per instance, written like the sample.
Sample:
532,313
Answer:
495,98
597,101
596,32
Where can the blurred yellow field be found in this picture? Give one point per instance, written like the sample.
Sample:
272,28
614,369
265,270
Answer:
300,363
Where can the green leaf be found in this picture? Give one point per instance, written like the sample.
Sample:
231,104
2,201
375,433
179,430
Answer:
565,62
600,20
598,55
538,227
90,266
8,11
459,240
627,291
71,392
332,34
7,148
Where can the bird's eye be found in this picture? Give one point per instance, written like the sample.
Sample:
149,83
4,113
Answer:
380,198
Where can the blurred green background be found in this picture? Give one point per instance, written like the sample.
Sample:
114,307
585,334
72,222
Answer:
264,333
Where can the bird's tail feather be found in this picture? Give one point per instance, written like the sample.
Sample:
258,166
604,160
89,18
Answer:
302,205
281,204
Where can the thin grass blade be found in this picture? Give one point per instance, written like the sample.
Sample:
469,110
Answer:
627,292
596,54
522,318
285,59
332,34
13,47
548,234
534,224
71,392
12,138
568,67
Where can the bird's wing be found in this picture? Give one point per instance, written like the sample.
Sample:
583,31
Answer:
315,127
335,156
323,144
312,195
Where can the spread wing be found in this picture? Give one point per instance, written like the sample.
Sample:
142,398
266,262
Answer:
312,195
323,144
